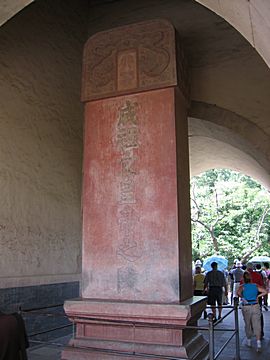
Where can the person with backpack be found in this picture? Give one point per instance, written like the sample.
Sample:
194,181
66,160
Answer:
256,278
250,293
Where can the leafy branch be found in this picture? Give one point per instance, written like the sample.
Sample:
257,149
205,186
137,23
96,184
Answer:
257,242
209,227
227,208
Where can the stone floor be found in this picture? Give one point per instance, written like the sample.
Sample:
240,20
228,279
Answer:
246,353
53,352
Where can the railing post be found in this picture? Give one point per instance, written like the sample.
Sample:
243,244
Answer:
73,329
211,337
237,340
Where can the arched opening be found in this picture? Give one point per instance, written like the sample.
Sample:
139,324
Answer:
42,123
230,215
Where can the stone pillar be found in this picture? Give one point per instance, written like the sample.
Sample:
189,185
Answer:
137,279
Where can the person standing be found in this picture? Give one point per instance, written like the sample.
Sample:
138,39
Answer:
198,285
231,280
237,274
256,278
214,283
13,337
250,294
262,272
197,263
267,272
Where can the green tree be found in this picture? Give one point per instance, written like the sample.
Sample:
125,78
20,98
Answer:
230,215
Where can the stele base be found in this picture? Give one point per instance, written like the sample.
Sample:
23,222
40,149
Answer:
108,330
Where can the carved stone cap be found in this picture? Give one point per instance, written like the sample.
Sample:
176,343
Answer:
133,58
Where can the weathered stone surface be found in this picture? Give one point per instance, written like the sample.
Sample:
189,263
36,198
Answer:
136,225
133,58
131,244
135,329
41,145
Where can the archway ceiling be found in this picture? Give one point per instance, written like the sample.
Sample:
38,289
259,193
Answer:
10,8
208,153
213,146
226,72
250,17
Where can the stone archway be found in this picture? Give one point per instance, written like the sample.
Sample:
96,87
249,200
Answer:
248,134
219,138
249,17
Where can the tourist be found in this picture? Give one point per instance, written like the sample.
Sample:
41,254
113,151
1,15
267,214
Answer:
231,279
250,294
198,285
264,279
214,283
198,263
256,278
267,283
237,275
13,338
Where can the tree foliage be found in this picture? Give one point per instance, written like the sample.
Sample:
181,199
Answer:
230,215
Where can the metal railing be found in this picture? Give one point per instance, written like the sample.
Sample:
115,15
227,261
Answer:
211,328
235,332
38,312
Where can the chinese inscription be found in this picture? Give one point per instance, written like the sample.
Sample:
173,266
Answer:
127,70
127,137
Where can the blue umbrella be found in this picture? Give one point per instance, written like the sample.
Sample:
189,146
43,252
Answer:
260,259
220,260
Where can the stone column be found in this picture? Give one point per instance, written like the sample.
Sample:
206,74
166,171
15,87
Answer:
137,280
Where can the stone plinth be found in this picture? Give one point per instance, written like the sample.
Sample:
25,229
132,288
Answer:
109,330
136,270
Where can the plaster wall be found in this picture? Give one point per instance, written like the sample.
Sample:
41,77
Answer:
249,17
209,142
41,115
41,144
10,8
227,76
225,71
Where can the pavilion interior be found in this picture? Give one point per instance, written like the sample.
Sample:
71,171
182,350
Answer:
41,120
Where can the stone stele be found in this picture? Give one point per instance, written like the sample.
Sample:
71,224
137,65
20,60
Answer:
136,272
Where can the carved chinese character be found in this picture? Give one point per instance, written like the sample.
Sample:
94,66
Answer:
128,114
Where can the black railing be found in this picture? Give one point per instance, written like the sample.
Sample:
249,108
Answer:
211,328
235,332
38,312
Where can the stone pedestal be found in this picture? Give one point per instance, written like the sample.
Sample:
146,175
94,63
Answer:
136,281
114,329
